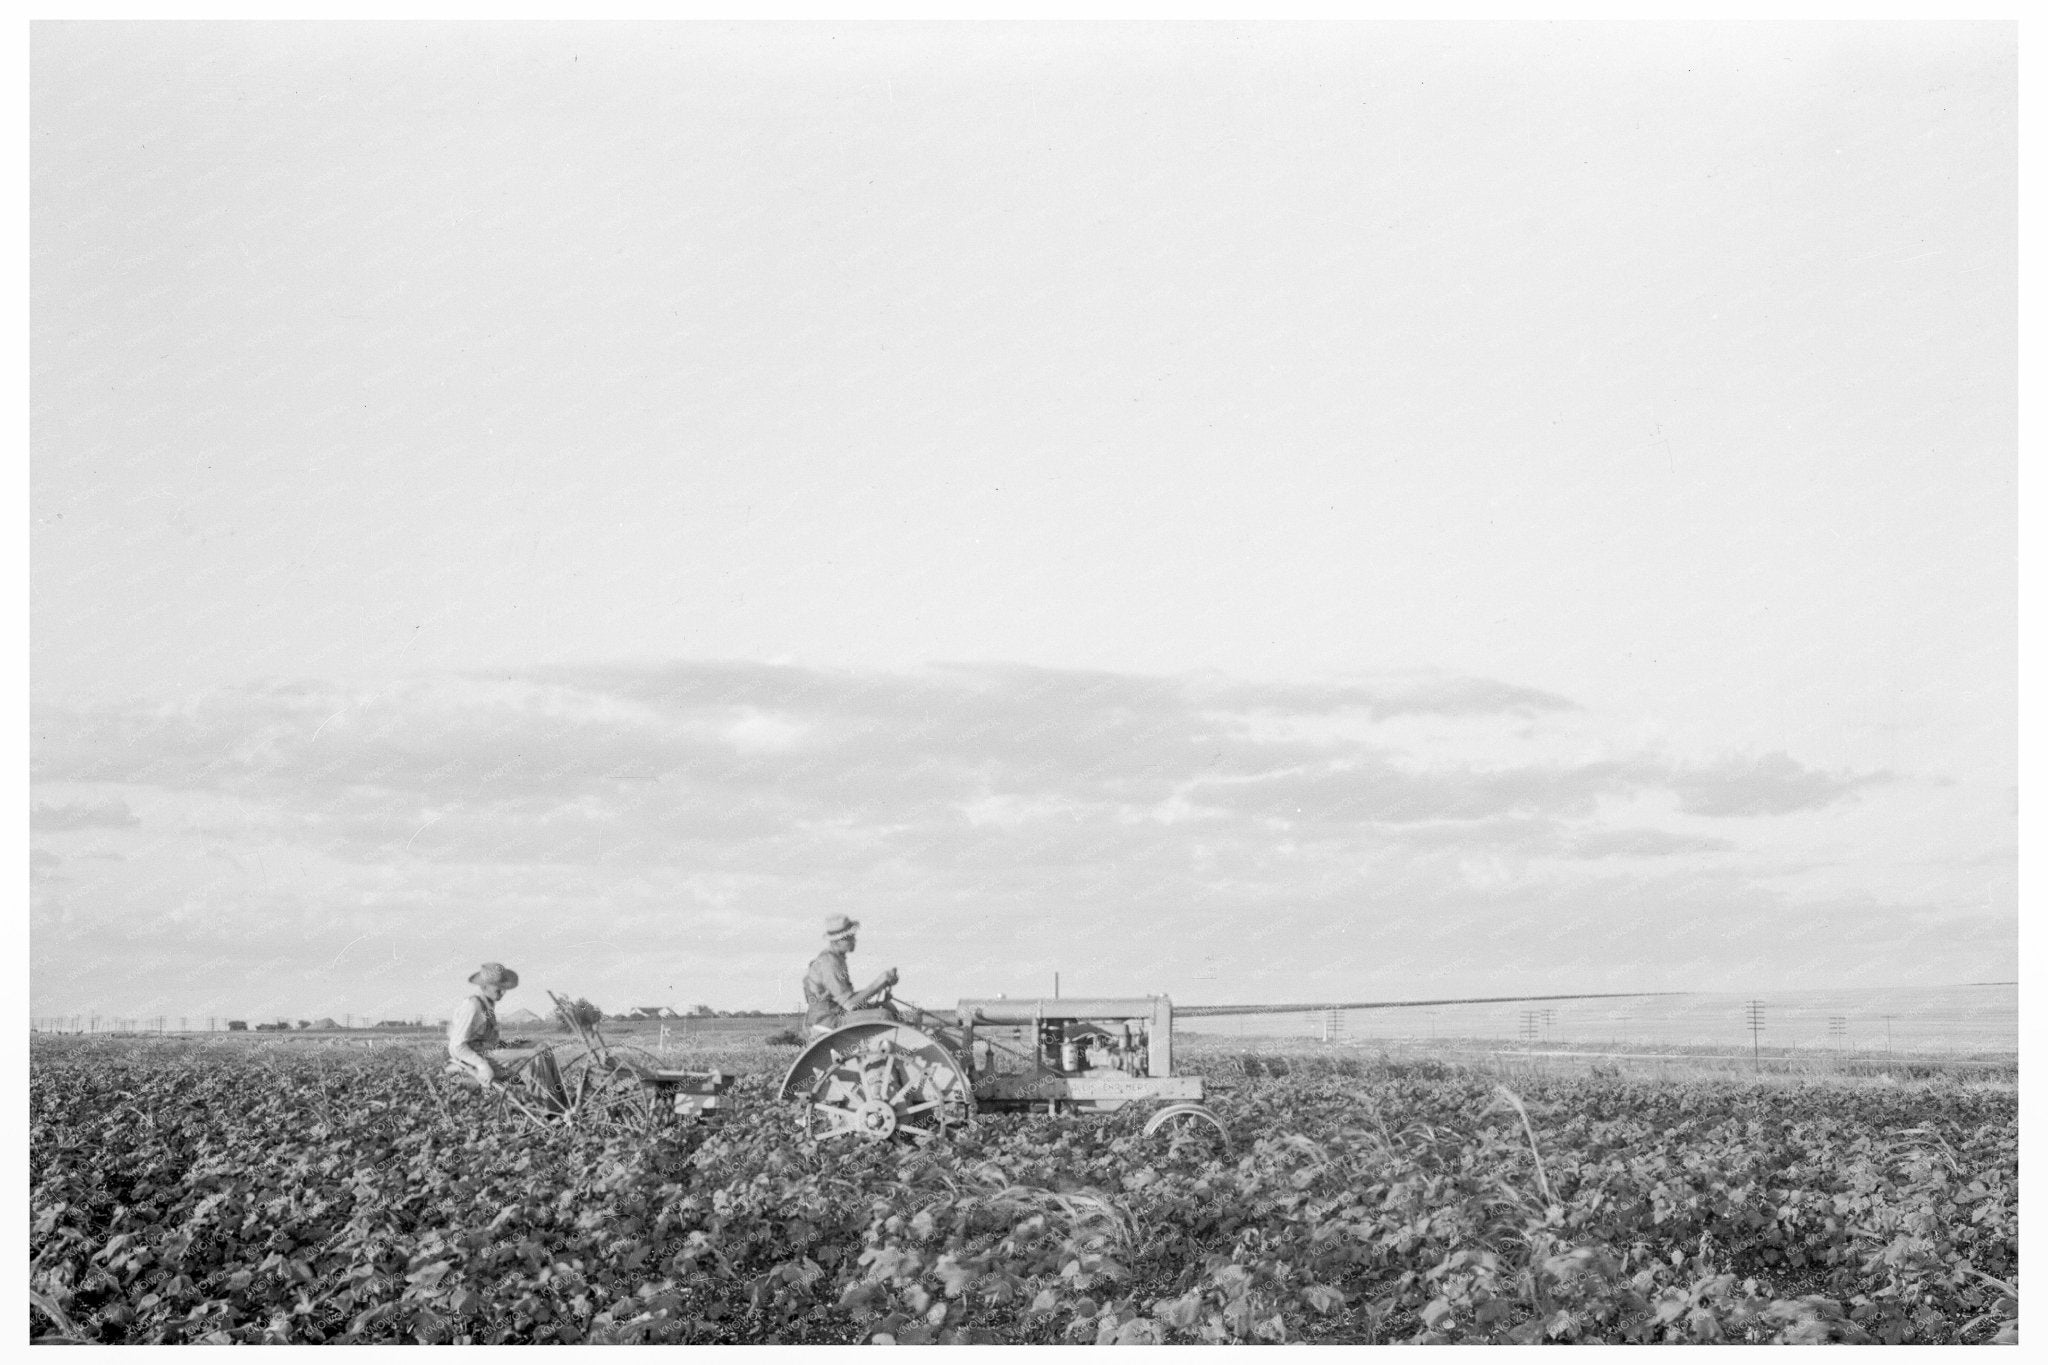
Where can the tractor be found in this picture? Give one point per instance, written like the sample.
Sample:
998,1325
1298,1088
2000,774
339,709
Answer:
899,1071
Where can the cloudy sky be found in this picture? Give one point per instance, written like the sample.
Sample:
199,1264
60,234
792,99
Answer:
1260,513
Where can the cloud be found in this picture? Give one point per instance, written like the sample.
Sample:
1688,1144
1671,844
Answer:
749,765
1371,789
1396,696
1642,843
113,814
885,743
1772,784
996,819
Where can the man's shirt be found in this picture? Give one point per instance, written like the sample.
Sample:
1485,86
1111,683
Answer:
828,990
474,1027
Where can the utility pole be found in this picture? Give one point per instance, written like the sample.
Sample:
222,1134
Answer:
1055,985
1888,1034
1754,1012
1838,1025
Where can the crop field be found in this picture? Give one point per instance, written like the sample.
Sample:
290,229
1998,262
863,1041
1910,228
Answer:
199,1191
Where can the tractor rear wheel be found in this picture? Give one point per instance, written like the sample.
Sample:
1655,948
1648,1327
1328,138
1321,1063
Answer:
880,1082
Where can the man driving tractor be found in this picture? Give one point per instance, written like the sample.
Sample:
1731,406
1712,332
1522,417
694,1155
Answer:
828,988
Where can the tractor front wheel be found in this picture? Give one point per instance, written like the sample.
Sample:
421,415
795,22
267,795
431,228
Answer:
1189,1124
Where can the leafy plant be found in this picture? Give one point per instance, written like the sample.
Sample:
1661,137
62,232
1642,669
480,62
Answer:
242,1193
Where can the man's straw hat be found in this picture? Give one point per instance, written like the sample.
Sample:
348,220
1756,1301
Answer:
839,926
495,974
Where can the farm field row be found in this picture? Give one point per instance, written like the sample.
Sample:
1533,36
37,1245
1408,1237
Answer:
183,1192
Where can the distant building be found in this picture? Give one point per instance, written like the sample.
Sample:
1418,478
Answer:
238,1026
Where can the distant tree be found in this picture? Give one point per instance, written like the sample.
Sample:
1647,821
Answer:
702,1011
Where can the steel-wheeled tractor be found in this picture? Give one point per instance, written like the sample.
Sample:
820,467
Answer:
901,1071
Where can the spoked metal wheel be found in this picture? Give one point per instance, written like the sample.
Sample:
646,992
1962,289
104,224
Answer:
599,1094
880,1082
1189,1126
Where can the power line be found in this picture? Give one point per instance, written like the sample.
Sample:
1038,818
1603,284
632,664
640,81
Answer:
1213,1011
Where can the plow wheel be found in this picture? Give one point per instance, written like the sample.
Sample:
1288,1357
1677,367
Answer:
1191,1126
880,1082
601,1096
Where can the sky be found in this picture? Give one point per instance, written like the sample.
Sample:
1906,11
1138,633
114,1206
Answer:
1260,513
